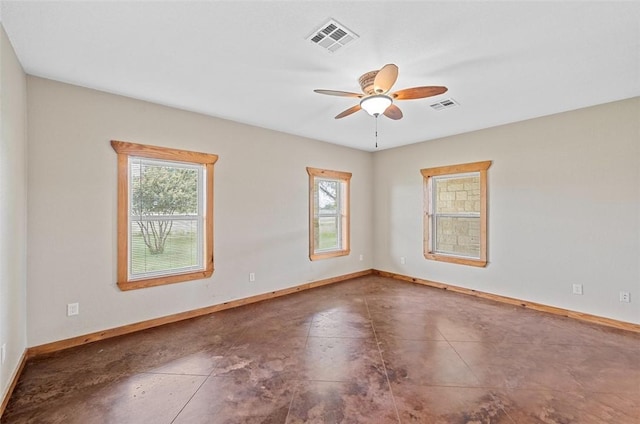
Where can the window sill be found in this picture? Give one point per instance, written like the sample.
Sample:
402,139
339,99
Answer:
326,255
456,260
159,281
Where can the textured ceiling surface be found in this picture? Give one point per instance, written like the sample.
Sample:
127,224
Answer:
252,62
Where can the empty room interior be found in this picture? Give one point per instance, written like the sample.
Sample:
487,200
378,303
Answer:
320,211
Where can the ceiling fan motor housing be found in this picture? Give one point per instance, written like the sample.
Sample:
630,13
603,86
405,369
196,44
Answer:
366,82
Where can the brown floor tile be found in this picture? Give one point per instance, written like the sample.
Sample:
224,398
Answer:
279,327
199,363
553,367
407,326
555,407
262,359
341,402
428,363
403,302
606,369
342,322
511,366
342,359
142,398
231,400
450,405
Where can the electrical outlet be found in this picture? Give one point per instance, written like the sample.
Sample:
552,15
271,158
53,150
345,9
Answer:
361,257
252,276
577,289
625,297
73,309
3,353
403,260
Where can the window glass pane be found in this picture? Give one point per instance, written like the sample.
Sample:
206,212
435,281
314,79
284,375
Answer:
163,189
327,220
458,235
458,194
158,246
165,231
328,197
455,221
328,231
328,213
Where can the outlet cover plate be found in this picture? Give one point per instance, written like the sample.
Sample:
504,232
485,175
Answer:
73,309
577,289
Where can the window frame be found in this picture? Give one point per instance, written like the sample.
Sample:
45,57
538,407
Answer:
452,170
344,178
124,151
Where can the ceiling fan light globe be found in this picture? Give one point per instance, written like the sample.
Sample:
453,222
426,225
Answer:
376,104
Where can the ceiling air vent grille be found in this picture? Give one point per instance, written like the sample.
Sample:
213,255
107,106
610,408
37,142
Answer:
444,104
332,36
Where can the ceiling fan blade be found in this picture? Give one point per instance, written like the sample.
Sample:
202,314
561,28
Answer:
385,78
339,93
349,111
418,92
393,112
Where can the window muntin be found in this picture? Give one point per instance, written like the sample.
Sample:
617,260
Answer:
455,227
165,215
328,213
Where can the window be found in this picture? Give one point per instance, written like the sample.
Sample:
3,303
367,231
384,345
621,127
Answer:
328,213
455,216
165,215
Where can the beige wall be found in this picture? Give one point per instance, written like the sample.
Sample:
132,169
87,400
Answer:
13,211
261,209
564,208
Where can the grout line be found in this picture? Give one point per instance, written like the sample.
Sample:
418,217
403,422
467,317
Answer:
463,361
189,400
384,367
233,343
306,342
175,373
293,396
206,377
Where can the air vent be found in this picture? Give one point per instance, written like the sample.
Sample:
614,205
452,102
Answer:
445,104
332,36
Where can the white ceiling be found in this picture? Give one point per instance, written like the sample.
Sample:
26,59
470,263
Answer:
250,61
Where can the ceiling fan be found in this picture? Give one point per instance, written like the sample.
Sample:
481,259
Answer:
376,99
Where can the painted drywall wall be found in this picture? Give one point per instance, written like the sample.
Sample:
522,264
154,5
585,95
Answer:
564,208
261,209
13,211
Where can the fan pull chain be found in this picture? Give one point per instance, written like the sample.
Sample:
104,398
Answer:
376,131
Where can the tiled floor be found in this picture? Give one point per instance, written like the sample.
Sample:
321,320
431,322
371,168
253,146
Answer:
370,350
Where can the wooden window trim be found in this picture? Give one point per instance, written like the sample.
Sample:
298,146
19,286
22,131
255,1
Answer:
346,215
126,149
427,173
